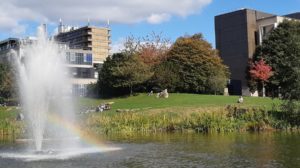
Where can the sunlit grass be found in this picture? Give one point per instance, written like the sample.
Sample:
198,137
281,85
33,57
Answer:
195,112
175,100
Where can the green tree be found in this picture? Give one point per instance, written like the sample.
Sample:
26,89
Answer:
281,50
165,76
217,80
198,67
131,72
7,86
121,71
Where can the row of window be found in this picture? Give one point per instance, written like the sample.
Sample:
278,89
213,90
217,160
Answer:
79,90
79,58
8,46
83,72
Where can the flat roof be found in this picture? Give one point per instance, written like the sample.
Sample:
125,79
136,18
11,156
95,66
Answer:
9,39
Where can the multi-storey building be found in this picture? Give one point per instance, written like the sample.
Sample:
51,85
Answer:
237,35
6,46
88,49
79,62
12,46
88,37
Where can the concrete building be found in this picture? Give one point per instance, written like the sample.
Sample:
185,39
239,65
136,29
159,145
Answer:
6,46
79,62
10,45
85,49
88,48
91,38
237,35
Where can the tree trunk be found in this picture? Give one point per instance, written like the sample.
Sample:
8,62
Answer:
263,89
131,92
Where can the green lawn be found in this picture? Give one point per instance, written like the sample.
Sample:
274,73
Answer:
7,117
142,101
179,111
7,113
184,112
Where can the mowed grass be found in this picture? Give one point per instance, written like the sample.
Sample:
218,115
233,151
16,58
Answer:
7,113
200,113
177,100
8,117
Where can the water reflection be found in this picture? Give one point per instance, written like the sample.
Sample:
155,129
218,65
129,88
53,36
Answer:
188,150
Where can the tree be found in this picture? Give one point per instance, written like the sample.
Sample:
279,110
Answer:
154,48
122,72
281,51
217,80
151,48
130,73
262,72
251,82
165,76
196,63
131,45
7,86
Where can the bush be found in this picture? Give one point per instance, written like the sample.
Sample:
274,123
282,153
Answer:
291,110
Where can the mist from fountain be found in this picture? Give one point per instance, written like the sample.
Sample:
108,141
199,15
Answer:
45,96
45,91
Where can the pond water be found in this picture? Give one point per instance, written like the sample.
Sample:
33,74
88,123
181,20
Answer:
173,150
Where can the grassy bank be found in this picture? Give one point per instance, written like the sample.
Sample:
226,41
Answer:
9,126
211,119
176,100
180,112
184,112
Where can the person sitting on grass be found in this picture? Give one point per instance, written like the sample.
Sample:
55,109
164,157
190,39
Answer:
150,93
241,99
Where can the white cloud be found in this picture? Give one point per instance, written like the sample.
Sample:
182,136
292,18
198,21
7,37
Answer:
158,18
13,12
12,16
19,29
117,46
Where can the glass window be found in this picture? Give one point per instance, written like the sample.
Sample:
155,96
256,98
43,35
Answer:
72,56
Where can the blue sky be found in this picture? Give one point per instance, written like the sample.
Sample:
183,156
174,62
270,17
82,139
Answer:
172,18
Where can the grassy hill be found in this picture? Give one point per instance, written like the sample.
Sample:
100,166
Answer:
201,113
142,101
178,112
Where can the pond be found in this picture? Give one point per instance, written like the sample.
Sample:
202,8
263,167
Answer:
175,150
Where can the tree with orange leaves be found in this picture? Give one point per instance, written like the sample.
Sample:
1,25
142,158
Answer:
262,72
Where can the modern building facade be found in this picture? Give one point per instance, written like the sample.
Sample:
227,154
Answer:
95,39
79,62
237,35
81,67
88,47
6,46
10,45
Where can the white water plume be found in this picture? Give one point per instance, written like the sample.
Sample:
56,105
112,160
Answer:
44,89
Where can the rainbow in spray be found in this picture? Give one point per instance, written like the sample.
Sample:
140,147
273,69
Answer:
44,93
85,136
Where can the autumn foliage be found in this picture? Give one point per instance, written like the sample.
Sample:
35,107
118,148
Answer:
261,71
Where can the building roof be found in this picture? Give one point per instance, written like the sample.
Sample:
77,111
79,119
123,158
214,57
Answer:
9,39
295,15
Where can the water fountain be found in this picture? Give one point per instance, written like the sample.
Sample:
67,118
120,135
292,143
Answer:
44,90
45,94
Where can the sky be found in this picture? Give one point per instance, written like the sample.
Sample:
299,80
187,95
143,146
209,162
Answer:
170,18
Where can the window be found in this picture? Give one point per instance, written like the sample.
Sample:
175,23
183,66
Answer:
68,56
72,56
89,58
